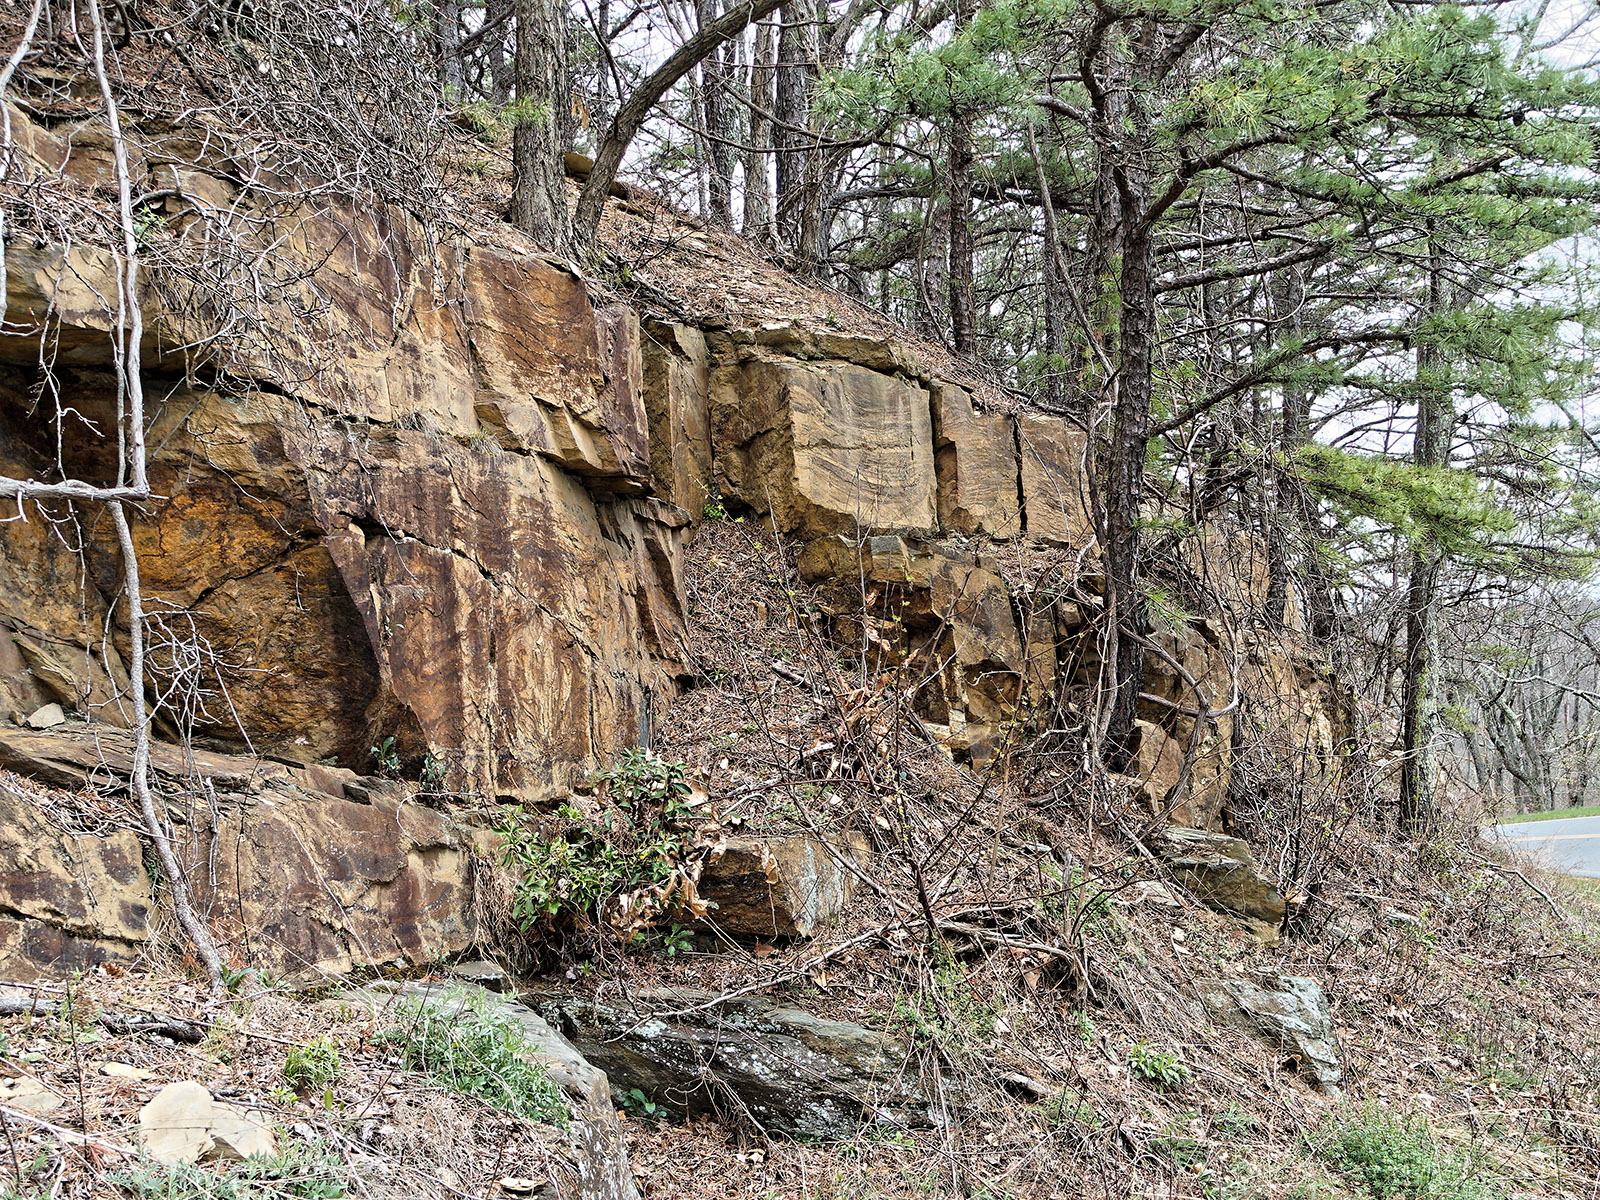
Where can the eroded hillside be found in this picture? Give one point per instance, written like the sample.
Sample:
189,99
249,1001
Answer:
722,663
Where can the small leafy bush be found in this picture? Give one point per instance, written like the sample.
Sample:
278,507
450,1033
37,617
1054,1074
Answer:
385,759
1233,1122
1395,1157
464,1044
622,867
302,1170
481,119
311,1067
948,1010
1069,1108
1157,1067
640,1105
435,771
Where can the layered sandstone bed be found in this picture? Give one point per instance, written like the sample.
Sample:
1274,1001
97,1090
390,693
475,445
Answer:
436,493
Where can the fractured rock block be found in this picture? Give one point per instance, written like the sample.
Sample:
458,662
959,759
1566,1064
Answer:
677,382
596,1145
70,900
1290,1011
824,447
184,1124
1221,872
976,463
1055,485
781,886
940,608
793,1072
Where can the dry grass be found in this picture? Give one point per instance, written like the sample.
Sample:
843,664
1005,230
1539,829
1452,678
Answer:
1453,983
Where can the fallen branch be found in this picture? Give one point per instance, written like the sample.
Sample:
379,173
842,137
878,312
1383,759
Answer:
175,1028
1534,887
70,1137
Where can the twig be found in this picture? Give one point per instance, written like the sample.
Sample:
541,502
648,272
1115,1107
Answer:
175,1028
69,1136
1535,888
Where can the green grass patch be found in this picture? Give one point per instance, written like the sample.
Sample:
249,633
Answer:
463,1043
1396,1157
1555,814
1582,885
305,1170
312,1067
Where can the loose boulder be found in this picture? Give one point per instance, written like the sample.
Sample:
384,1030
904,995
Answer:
1220,871
789,1071
184,1124
781,886
1289,1011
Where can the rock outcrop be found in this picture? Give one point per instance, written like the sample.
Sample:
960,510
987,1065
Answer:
420,511
72,892
790,1071
313,868
423,515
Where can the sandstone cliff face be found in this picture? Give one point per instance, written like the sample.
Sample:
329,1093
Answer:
299,868
434,492
421,515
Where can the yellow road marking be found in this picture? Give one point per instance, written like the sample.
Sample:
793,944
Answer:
1556,837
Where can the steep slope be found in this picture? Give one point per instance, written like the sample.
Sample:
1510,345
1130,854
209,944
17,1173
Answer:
427,517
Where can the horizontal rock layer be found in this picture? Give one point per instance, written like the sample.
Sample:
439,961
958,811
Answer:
422,511
313,868
788,1070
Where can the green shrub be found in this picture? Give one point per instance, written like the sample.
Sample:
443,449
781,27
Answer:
385,759
636,1102
1069,1108
305,1170
1396,1158
464,1044
1160,1068
308,1068
607,869
948,1010
435,771
481,119
1233,1122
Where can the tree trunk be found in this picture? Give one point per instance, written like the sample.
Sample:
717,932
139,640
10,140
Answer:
605,102
1126,320
502,75
632,112
543,125
814,219
797,54
1130,436
448,45
757,166
1419,694
1286,513
719,133
963,320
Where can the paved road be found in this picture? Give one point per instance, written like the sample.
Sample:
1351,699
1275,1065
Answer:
1571,846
